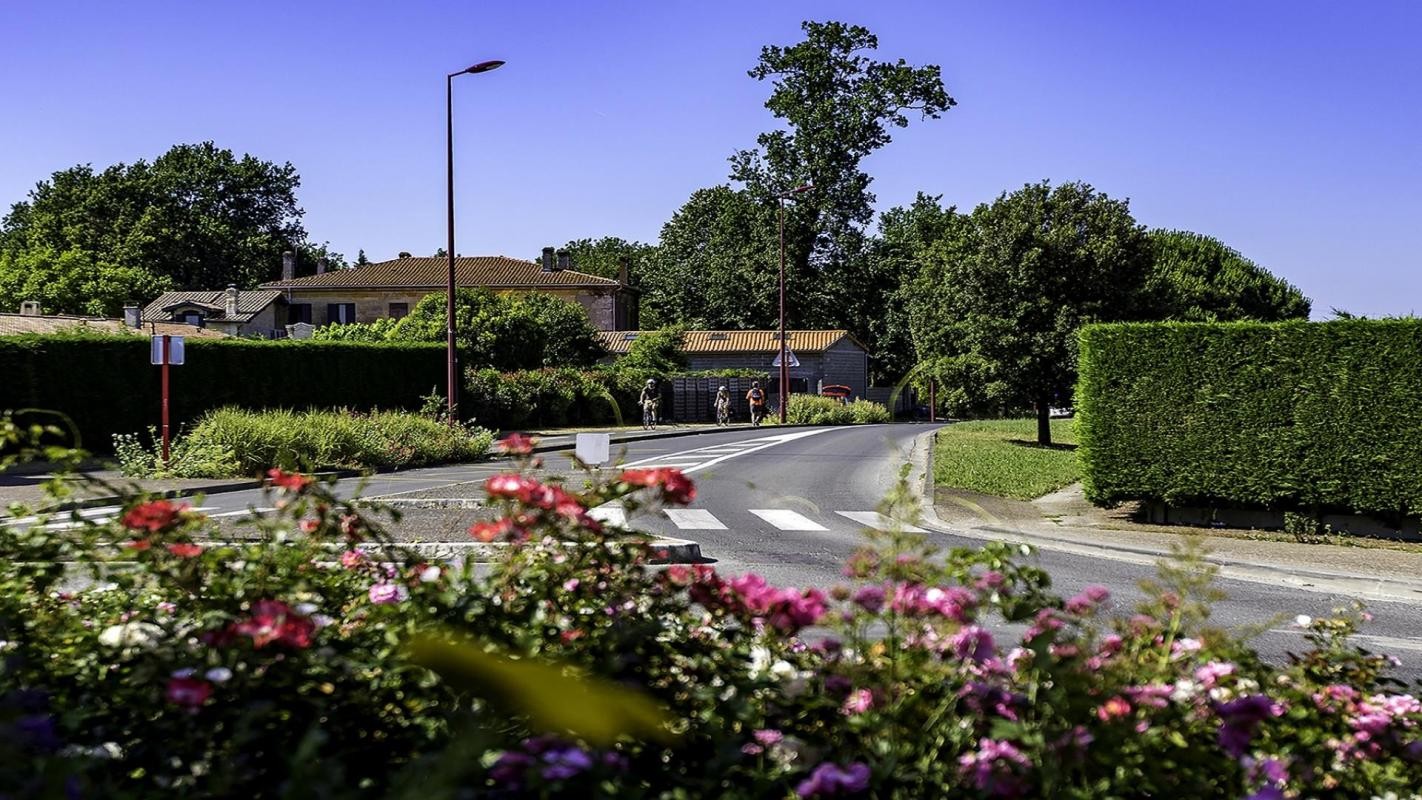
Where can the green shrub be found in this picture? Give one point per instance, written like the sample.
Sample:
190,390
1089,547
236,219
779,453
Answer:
866,412
809,409
107,386
1294,416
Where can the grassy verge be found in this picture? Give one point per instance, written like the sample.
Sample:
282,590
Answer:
1002,458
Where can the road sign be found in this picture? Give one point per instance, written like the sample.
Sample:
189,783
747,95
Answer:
593,449
175,350
794,362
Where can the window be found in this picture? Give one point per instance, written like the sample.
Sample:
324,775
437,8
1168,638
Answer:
398,310
192,318
340,313
299,312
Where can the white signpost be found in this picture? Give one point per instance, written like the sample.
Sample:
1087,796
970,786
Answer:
166,350
593,449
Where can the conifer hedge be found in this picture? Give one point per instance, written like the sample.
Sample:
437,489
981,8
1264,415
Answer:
1313,417
106,385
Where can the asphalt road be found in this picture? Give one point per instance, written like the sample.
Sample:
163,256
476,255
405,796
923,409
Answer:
792,504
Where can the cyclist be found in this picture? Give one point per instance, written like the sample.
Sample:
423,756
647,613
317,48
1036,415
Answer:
756,398
723,406
649,400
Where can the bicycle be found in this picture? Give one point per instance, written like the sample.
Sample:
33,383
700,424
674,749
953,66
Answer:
757,414
649,415
723,414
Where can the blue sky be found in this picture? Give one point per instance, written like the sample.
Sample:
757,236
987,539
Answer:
1292,131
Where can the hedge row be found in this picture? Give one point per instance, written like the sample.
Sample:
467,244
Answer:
106,384
1313,417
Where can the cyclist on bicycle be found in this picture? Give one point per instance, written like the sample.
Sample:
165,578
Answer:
723,406
649,400
756,398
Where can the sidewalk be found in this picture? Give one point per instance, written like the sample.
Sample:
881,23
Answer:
1056,522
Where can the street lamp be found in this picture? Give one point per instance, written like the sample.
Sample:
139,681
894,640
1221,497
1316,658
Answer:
784,361
450,354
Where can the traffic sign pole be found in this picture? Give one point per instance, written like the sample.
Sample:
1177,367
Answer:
167,344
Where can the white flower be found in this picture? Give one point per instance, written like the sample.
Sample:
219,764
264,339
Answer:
185,672
131,634
321,620
6,644
782,670
760,660
430,574
1303,620
1184,690
218,674
306,609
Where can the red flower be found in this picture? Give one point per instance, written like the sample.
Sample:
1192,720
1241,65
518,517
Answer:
188,692
500,529
676,487
517,444
139,545
513,487
273,621
153,516
309,526
290,481
185,550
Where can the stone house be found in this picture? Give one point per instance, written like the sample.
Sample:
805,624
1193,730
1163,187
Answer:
826,358
392,288
250,312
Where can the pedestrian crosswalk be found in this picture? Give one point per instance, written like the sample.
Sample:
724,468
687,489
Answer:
784,519
787,520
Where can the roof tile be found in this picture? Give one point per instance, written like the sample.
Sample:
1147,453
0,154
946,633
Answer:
703,342
433,272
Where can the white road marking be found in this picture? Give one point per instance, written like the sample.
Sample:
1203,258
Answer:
611,515
787,520
753,445
877,521
243,511
694,519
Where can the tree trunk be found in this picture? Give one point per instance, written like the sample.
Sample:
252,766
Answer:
1044,422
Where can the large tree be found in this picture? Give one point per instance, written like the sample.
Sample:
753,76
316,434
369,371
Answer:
605,256
1198,278
1003,293
197,217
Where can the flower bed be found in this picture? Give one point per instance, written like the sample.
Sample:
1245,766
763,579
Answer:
323,659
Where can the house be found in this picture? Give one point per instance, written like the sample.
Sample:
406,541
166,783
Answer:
392,288
259,312
826,358
30,320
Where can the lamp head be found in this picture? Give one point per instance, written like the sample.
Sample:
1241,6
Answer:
482,66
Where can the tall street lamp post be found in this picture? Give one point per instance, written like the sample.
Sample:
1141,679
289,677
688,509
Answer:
450,354
784,361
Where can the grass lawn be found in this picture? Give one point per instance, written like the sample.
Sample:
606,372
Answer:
1002,458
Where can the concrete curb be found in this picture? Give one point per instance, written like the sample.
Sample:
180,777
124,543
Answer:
166,494
1312,579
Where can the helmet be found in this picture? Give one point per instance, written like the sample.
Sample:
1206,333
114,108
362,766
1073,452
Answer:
755,384
651,381
722,389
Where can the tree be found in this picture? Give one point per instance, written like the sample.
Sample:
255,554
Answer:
1002,295
361,260
605,256
656,351
197,217
1200,279
564,333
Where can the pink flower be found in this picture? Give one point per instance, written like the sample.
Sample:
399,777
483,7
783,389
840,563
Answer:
387,593
512,486
517,444
1045,622
1210,673
858,701
1087,601
870,598
973,643
676,487
1114,708
995,768
288,481
274,622
352,559
829,780
188,691
185,550
154,516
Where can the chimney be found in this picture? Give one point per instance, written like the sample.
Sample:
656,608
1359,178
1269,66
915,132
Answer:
565,260
132,316
622,271
288,265
320,265
548,263
230,309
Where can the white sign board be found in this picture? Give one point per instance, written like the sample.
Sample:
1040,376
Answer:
175,350
794,362
593,449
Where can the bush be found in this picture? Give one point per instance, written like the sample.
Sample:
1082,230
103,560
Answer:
1293,416
809,409
107,386
568,668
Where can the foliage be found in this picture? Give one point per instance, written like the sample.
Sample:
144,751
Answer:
656,351
1297,416
507,332
187,457
105,385
197,217
1002,458
809,409
1002,296
567,668
1197,278
606,256
553,397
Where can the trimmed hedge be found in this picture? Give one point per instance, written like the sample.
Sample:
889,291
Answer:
1312,417
106,384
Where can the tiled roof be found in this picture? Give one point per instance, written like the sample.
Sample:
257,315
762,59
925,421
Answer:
23,323
432,273
702,342
250,303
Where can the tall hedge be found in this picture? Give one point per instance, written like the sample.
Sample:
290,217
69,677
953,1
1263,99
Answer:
106,384
1304,416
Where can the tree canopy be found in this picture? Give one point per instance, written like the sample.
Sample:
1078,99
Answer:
604,256
1001,296
197,217
1197,278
